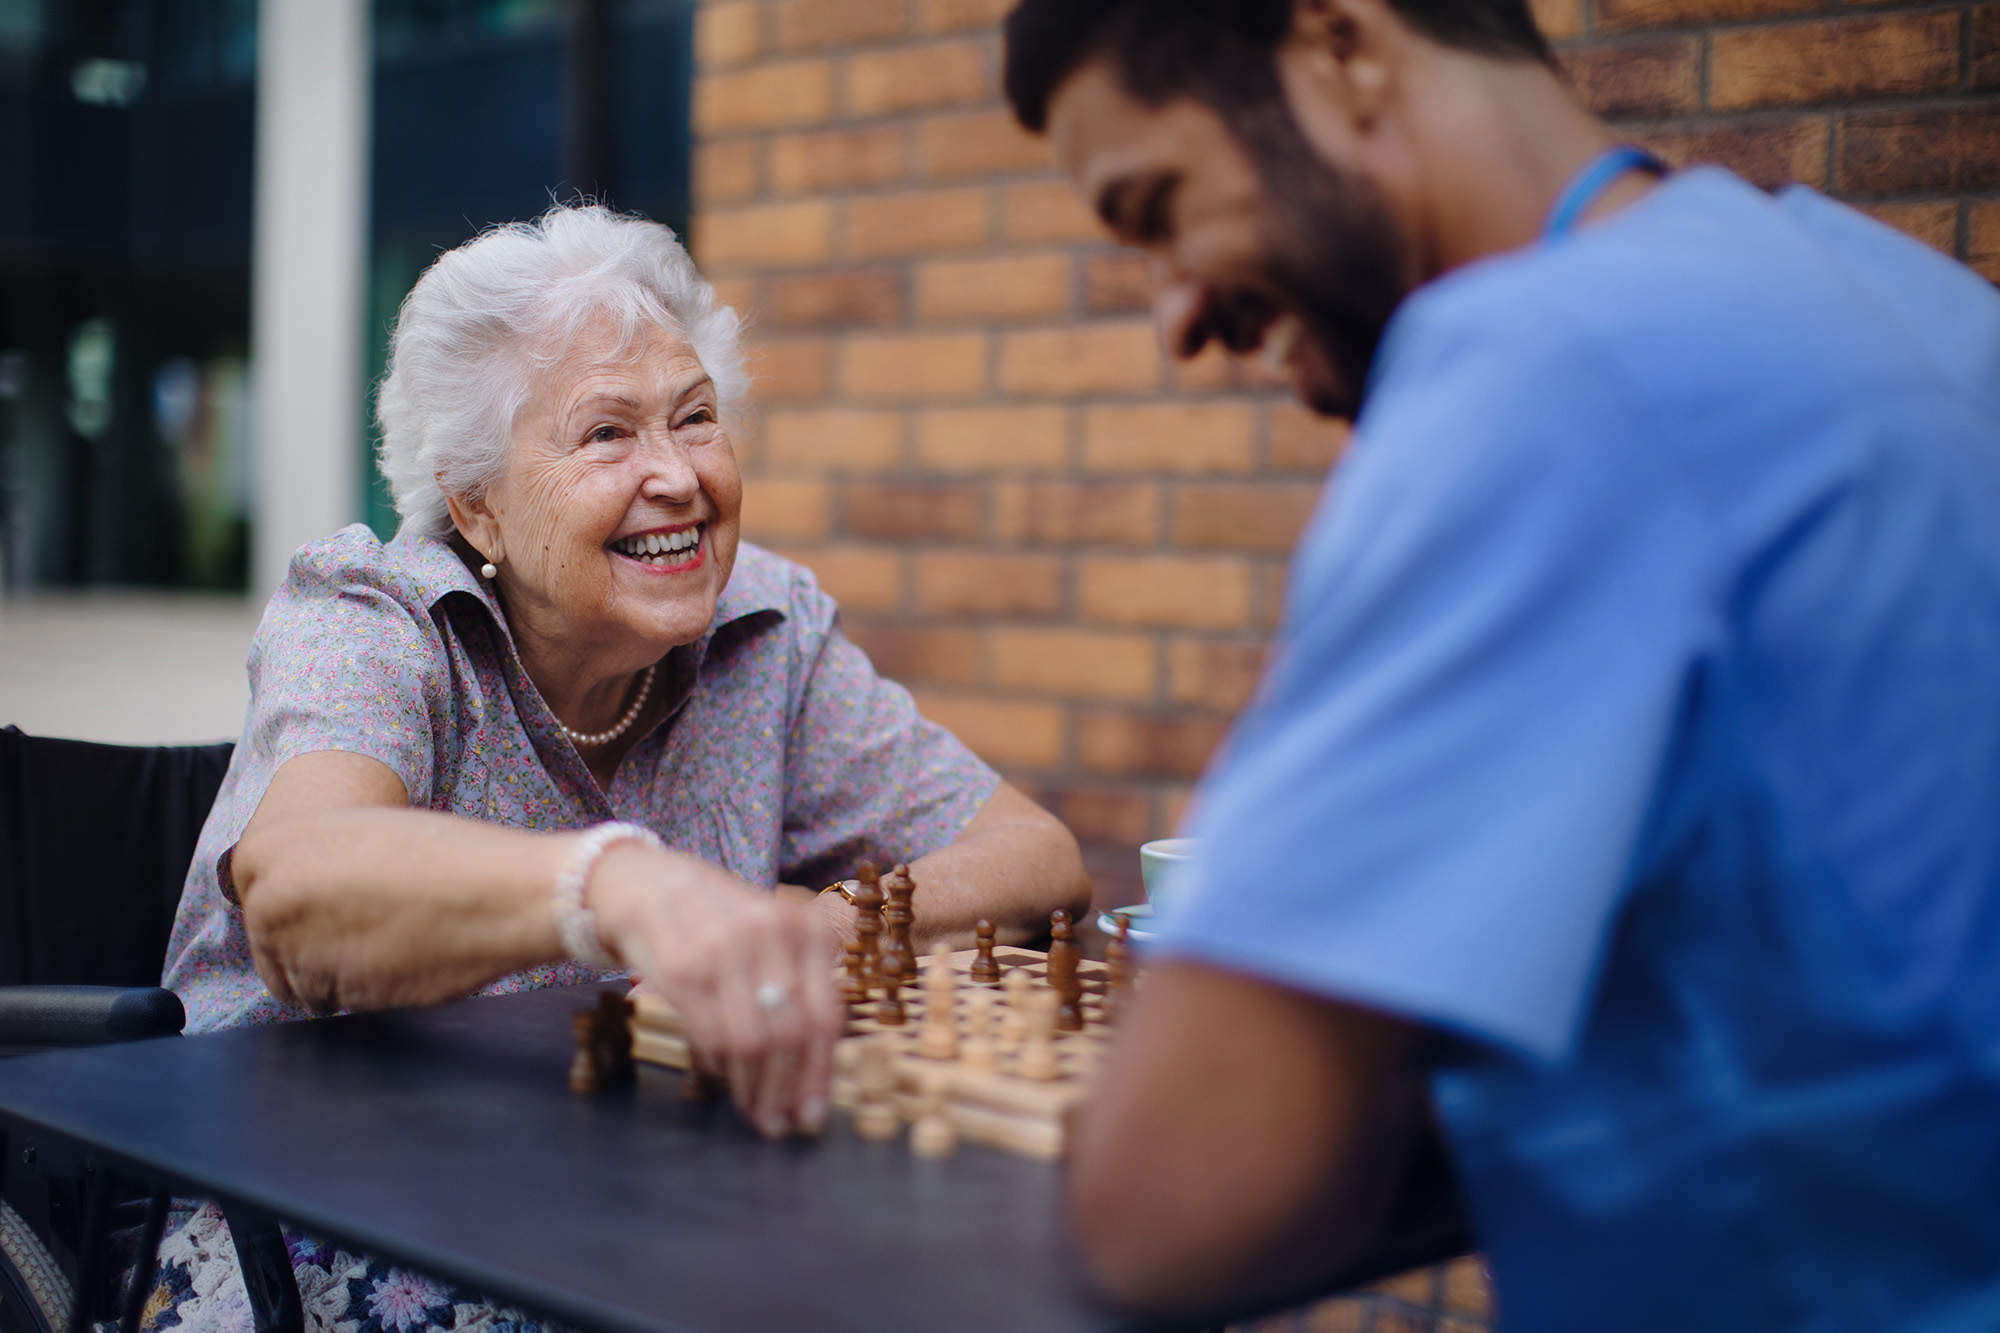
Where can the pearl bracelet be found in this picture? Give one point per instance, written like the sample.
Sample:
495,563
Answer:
575,923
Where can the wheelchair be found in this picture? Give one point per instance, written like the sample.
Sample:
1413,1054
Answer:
95,842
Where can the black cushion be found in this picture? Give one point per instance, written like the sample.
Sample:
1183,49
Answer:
95,842
87,1015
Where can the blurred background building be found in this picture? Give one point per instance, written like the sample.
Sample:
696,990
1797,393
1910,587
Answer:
1070,549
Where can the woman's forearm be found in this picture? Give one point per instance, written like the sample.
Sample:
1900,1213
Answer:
1014,864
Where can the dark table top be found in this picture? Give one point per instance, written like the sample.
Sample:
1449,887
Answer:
447,1139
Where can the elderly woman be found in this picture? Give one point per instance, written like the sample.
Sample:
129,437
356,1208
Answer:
567,724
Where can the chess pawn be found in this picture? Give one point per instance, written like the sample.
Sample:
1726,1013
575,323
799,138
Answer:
1118,971
934,1135
978,1051
985,968
940,1035
875,1114
1038,1056
1014,1024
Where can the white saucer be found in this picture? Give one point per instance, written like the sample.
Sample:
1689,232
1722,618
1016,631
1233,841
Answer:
1140,915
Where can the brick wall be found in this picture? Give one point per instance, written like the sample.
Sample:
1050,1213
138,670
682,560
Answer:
1069,548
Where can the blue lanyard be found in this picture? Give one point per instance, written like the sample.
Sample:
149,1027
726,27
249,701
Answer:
1592,181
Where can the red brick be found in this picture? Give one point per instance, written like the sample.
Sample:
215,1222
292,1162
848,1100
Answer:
946,15
1000,731
1934,222
1168,437
1085,359
1767,152
1647,76
1073,513
809,23
1141,745
1303,441
785,509
1048,211
1220,674
1000,287
1269,584
913,223
763,234
738,293
1097,813
1170,821
725,171
858,578
1115,283
978,143
993,439
912,510
783,369
1170,592
1558,19
1612,14
834,439
958,583
1837,58
792,92
1073,663
1982,240
725,35
852,296
908,77
1262,516
1985,46
834,159
906,366
929,655
1946,150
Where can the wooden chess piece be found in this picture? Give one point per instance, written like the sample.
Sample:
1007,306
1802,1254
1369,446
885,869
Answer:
978,1051
868,926
700,1082
940,1036
1038,1056
875,1113
934,1135
898,955
1014,1023
985,967
1062,972
614,1039
584,1078
854,980
889,1010
1118,970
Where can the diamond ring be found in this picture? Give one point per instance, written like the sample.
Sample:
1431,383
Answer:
771,997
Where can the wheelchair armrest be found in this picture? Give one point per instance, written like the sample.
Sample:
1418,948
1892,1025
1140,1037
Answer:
86,1015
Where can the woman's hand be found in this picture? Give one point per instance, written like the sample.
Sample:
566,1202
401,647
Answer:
751,976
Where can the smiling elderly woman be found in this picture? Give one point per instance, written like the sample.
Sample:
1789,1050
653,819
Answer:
567,635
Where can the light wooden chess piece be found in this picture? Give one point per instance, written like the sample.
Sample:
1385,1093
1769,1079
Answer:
940,1035
934,1135
1038,1056
1014,1023
978,1052
875,1114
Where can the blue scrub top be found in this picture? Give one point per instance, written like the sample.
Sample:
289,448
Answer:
1635,722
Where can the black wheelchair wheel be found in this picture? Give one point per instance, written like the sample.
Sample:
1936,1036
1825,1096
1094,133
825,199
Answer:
34,1294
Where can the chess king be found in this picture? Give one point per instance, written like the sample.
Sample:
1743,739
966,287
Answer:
1621,796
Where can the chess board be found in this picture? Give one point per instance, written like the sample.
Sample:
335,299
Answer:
998,1108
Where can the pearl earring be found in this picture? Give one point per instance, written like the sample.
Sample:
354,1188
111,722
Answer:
489,570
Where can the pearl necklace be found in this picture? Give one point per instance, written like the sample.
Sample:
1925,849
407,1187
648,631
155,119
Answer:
624,723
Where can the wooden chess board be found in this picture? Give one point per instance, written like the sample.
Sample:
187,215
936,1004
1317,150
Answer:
999,1108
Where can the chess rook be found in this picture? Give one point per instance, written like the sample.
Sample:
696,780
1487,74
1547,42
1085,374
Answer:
940,1035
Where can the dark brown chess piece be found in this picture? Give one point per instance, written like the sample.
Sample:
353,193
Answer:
1063,977
1118,970
868,926
889,1011
853,981
603,1046
985,967
897,958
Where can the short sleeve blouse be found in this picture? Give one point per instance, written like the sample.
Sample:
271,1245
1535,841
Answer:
787,757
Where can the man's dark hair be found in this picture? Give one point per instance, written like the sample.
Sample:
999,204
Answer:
1220,52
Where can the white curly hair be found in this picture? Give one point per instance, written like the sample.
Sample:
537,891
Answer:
489,318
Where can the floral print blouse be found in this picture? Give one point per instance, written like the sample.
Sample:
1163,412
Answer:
786,759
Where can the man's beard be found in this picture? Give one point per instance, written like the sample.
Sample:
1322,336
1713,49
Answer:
1332,257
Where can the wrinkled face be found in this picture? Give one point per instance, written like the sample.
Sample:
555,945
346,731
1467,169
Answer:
1256,239
618,510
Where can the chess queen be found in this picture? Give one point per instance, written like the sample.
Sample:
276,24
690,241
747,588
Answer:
567,724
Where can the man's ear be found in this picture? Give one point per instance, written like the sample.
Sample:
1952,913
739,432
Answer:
1343,46
474,518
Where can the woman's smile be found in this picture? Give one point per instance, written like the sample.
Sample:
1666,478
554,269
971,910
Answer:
664,550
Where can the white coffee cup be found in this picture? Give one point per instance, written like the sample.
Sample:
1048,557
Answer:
1163,865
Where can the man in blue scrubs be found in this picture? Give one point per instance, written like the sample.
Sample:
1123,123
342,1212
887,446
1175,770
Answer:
1625,790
